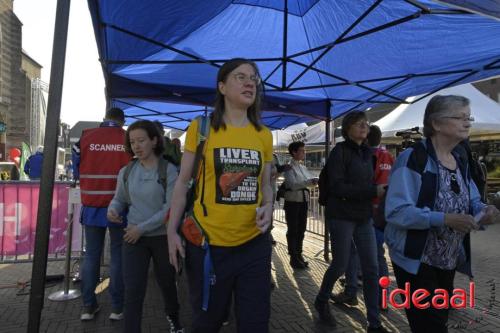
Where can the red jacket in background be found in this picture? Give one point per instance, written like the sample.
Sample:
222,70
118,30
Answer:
383,166
102,155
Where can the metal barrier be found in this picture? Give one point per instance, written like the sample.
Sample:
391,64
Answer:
18,217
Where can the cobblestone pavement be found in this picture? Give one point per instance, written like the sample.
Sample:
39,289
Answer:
292,299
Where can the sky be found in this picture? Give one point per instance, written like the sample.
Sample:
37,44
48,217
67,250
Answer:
83,86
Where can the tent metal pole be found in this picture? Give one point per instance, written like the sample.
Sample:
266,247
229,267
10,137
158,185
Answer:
285,40
39,269
326,238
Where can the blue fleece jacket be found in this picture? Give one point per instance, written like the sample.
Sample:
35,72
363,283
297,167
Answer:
409,208
33,166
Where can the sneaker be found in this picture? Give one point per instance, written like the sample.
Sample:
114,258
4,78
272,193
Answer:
116,315
343,298
325,315
89,312
380,329
175,324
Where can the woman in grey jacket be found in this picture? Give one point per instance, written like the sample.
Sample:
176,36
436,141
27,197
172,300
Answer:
141,190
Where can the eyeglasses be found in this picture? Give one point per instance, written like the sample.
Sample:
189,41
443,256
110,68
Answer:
466,118
243,78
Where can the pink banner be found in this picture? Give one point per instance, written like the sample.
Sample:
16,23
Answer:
18,216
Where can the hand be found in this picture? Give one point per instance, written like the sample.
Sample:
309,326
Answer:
460,222
175,247
491,215
113,216
380,190
264,217
132,234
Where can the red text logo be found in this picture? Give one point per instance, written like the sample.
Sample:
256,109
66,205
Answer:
420,298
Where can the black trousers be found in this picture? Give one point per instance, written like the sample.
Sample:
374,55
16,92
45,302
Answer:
136,259
242,271
296,221
429,278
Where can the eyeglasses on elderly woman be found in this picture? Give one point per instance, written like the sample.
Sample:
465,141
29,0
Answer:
462,118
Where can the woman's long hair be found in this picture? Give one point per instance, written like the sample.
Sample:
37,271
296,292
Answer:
253,112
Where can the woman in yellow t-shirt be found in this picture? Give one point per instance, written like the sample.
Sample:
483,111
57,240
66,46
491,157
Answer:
233,206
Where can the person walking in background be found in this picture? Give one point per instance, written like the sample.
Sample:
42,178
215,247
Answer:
33,166
297,179
144,191
233,207
430,207
349,216
383,165
97,158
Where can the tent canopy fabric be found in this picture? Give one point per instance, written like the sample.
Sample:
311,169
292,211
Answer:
485,111
318,58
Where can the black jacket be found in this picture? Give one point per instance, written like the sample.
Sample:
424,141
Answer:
350,179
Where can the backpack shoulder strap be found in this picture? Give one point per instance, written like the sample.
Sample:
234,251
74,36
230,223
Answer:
126,173
162,175
418,157
199,160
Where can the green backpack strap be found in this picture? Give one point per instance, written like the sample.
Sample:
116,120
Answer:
201,139
162,177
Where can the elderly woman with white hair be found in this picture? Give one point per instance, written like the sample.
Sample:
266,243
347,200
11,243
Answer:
431,207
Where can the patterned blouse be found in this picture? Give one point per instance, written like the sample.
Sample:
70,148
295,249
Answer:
444,248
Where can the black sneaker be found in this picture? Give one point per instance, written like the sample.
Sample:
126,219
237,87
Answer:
88,312
175,324
325,315
343,298
380,329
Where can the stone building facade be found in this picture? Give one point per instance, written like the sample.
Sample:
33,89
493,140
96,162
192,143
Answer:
18,72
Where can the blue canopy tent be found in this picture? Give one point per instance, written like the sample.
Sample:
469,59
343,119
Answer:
317,57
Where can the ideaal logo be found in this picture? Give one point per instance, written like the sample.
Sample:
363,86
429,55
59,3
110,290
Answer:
441,299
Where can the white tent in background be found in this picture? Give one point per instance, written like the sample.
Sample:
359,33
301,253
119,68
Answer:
314,134
485,111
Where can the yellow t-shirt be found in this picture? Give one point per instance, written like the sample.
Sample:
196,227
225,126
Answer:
235,159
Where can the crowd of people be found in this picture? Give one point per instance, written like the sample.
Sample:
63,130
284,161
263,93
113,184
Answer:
211,214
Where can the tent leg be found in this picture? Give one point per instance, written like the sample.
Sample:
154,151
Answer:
326,238
39,269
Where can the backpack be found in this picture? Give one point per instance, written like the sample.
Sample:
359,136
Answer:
162,176
323,183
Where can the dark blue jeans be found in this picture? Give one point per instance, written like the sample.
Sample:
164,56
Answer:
342,233
94,244
351,274
244,270
136,258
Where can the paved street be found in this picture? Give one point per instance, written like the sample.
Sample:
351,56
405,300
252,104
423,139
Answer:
292,299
